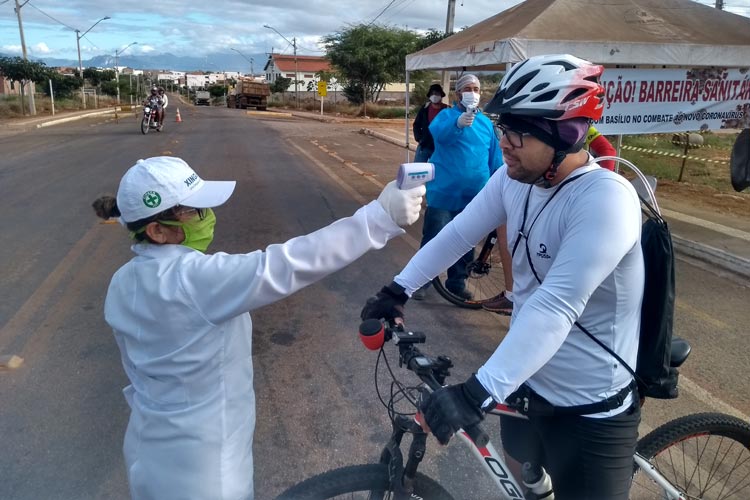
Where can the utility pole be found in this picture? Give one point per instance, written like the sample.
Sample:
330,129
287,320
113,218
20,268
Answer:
296,72
296,68
448,30
32,107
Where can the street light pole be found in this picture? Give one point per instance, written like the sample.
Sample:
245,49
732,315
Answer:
296,68
80,64
117,69
248,59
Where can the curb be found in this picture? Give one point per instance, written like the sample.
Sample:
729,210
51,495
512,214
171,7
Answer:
387,138
704,253
714,256
72,118
310,116
269,114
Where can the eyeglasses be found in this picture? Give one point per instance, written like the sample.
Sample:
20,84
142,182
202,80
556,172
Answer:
187,213
514,138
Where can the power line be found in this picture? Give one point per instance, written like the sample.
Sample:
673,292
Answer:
381,12
56,20
403,6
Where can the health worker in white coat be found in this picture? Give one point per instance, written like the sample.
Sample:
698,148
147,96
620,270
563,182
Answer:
181,320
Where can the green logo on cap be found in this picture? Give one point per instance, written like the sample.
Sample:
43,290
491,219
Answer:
151,199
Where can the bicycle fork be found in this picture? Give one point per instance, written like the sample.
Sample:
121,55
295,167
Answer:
402,477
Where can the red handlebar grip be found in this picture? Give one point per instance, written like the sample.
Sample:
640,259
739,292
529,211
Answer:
372,334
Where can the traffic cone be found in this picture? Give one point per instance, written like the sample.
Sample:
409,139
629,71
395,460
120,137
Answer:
178,119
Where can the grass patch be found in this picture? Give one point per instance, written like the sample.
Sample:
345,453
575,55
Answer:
715,147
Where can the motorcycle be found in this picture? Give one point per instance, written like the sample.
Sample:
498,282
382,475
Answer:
149,118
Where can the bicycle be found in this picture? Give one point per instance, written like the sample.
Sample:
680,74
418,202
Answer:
485,276
699,456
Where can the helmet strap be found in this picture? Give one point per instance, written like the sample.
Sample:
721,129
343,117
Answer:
548,176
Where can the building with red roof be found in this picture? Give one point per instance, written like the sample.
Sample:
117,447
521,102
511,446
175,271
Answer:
301,68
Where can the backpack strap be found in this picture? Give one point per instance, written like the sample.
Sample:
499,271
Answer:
526,211
653,214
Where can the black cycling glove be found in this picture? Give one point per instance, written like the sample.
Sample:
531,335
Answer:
387,304
456,407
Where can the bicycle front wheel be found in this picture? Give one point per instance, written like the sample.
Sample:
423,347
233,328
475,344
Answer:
485,277
359,481
705,456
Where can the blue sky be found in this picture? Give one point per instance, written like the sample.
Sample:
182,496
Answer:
185,27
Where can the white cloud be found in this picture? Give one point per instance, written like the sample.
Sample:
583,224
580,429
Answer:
203,28
12,49
41,48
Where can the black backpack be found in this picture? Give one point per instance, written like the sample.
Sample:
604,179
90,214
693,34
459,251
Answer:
653,374
655,377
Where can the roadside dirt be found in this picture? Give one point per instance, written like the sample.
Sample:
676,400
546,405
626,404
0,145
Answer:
706,198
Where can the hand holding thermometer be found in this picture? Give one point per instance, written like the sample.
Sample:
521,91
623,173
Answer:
411,175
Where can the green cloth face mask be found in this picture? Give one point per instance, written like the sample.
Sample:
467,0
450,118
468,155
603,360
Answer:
199,233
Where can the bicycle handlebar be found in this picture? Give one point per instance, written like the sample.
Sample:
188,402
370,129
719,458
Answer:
432,372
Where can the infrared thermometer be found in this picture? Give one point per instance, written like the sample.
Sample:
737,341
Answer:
411,175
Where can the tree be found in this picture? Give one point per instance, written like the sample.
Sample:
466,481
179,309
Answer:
423,79
432,37
369,57
217,90
18,69
23,71
96,76
281,85
108,87
63,86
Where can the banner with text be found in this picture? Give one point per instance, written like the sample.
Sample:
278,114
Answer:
654,101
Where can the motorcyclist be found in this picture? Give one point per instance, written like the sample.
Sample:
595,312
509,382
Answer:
156,102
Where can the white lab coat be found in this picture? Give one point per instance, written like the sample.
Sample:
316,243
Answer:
181,321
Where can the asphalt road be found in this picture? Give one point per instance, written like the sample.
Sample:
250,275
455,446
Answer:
62,416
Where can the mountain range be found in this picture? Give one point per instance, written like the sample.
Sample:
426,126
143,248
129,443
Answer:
216,62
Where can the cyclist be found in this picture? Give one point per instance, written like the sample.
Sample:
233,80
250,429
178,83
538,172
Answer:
502,303
600,146
181,320
574,233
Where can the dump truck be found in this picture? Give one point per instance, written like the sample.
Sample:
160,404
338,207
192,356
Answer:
249,93
202,98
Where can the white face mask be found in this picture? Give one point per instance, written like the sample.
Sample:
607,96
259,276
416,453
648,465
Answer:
470,100
434,99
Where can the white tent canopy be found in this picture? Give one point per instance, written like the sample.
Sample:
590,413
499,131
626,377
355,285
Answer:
610,32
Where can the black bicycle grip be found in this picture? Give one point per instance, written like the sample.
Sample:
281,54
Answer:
477,434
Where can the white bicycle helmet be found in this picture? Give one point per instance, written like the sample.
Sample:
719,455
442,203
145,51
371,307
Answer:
555,87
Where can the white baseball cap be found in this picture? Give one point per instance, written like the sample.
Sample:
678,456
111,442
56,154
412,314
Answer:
156,184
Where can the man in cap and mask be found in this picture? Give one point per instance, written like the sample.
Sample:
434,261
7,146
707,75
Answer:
466,154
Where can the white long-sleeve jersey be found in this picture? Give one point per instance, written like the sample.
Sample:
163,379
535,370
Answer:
585,247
